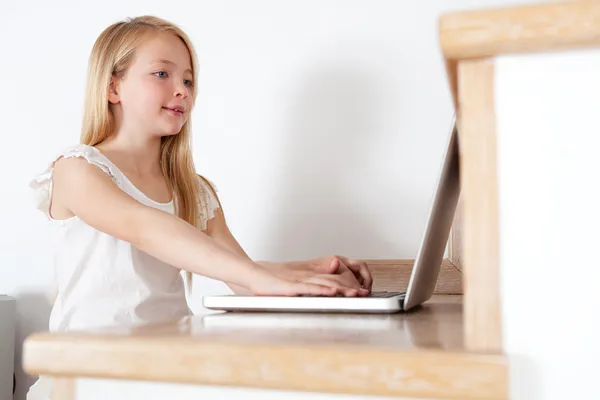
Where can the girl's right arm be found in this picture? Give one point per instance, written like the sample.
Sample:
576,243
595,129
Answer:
91,195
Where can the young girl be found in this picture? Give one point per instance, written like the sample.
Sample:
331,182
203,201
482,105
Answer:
128,211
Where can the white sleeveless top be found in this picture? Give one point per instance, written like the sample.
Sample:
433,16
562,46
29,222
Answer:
105,281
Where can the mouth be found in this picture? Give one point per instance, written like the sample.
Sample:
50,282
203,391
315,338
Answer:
175,110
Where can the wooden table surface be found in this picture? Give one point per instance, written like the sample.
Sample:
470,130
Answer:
417,354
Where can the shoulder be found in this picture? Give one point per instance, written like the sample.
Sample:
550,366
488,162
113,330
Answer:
74,169
208,201
208,192
77,151
206,183
72,163
83,158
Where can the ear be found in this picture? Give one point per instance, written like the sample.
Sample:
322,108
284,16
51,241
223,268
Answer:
113,90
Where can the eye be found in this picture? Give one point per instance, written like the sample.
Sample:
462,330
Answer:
161,74
188,83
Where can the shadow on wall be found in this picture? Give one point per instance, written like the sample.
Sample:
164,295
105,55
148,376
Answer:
333,135
33,314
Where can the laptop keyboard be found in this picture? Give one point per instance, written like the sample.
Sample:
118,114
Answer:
384,294
379,295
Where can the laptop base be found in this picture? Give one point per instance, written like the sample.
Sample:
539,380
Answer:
377,303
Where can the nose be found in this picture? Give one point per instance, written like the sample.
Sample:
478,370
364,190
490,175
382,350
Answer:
181,91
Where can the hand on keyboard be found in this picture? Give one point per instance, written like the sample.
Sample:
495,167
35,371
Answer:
349,277
268,284
378,295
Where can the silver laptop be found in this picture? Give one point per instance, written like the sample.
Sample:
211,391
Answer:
422,279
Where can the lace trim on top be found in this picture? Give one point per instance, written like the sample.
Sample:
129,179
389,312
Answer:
41,184
208,203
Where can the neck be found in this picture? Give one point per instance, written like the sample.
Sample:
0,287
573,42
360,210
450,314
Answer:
137,150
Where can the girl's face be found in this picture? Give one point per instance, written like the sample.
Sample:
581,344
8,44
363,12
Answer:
156,92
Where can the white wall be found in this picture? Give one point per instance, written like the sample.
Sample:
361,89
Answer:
548,140
322,123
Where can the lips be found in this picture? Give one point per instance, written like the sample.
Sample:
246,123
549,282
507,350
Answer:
176,109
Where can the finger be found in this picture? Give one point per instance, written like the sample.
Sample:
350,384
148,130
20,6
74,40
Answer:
349,292
319,266
333,265
351,265
348,276
365,273
314,289
336,282
361,269
345,280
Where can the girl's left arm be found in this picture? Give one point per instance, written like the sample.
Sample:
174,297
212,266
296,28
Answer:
217,229
349,274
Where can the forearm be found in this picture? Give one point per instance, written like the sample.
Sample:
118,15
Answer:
270,266
178,243
283,268
274,266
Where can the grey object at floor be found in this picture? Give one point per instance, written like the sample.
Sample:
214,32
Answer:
7,346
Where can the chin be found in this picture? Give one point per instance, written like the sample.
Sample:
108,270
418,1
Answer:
171,131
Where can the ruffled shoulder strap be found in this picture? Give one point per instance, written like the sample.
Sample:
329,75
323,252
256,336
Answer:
41,184
208,201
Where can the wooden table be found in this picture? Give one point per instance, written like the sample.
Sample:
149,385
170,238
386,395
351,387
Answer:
415,354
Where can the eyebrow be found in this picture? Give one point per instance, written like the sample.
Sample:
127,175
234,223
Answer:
163,61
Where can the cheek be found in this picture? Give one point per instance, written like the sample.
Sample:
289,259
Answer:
152,94
143,96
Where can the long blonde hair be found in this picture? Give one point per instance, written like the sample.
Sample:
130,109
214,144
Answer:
111,55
